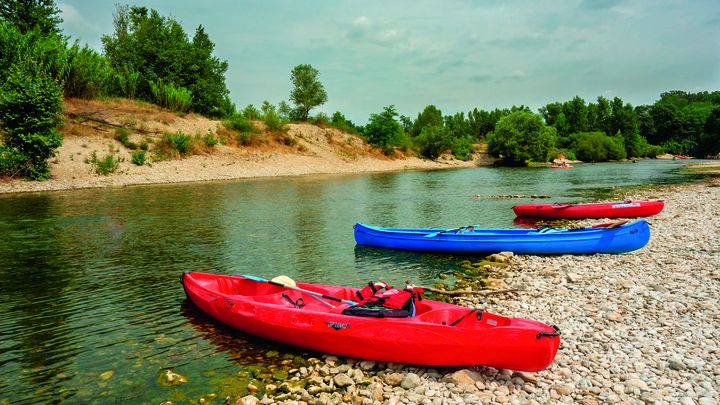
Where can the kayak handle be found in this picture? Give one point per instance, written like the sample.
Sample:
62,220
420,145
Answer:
549,334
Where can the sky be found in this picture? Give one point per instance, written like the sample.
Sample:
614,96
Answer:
454,54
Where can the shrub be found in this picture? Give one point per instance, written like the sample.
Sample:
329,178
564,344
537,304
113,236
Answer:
122,136
272,119
11,161
597,147
87,74
180,142
433,141
463,148
108,164
521,137
209,140
250,112
138,157
238,122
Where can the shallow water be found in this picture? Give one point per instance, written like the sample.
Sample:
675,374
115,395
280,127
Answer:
90,304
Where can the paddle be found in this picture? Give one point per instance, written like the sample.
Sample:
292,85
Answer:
458,230
317,294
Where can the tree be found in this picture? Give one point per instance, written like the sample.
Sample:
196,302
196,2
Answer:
30,102
308,92
156,50
383,129
41,16
521,137
429,117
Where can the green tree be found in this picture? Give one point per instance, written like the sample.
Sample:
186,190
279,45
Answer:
40,16
521,137
384,130
429,117
158,49
433,140
307,92
30,102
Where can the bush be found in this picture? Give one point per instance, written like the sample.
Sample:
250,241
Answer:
238,122
250,112
180,142
597,147
30,102
108,164
432,141
88,74
209,140
138,157
521,137
11,161
463,148
171,97
272,119
122,136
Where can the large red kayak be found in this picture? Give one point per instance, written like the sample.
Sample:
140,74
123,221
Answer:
439,334
624,209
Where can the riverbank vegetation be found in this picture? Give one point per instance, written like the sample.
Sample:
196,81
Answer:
151,58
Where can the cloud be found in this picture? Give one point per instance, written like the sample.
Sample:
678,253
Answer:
382,33
70,15
599,4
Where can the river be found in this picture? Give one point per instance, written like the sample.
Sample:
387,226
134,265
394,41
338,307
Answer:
91,308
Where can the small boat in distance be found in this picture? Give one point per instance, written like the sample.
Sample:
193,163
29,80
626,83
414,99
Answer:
621,209
562,166
617,237
439,334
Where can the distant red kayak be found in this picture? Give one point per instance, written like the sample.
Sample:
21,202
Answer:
625,209
438,334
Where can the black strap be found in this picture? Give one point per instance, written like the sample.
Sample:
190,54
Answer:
549,334
299,303
462,317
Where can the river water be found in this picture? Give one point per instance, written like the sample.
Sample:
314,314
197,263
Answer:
91,309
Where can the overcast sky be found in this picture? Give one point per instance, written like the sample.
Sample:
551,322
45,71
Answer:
456,55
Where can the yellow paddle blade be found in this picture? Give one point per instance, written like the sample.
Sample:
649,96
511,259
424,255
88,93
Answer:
284,280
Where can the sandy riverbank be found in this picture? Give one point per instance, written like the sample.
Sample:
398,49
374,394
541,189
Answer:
640,327
91,126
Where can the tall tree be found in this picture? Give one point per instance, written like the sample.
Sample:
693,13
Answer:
158,49
429,117
307,92
41,16
521,137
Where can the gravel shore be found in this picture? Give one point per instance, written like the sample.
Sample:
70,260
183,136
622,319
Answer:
640,327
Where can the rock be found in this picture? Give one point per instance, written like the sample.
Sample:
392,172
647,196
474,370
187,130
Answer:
343,380
572,278
252,389
463,377
633,383
614,316
509,255
687,401
410,381
331,360
563,389
367,365
247,400
706,401
168,378
525,376
393,379
498,258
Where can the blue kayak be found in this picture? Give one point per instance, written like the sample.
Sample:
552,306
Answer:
608,238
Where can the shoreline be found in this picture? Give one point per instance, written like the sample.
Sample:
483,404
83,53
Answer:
634,326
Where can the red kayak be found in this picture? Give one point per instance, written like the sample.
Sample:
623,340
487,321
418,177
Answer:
625,209
310,316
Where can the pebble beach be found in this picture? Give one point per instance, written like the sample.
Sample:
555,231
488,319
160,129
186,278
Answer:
640,327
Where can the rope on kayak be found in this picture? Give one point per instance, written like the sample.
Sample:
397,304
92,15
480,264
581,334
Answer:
549,334
465,316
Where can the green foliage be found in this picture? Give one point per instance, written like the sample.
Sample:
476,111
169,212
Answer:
179,141
598,147
87,73
433,141
158,49
384,130
40,16
125,82
210,140
521,137
138,157
238,122
431,116
462,147
320,119
307,92
123,136
251,113
106,165
272,119
339,121
482,123
30,101
171,97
